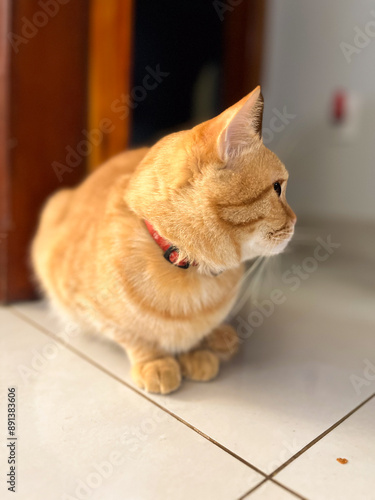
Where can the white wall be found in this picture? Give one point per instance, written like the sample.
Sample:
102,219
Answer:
304,65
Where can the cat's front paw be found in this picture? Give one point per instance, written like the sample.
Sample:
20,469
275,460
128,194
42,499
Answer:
223,341
161,376
200,365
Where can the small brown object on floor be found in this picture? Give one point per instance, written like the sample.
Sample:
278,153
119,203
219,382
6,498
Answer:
342,460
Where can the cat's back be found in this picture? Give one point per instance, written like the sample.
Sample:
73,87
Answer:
90,196
94,190
70,213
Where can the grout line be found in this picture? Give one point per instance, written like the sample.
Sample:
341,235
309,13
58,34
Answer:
248,493
89,360
253,489
321,436
288,489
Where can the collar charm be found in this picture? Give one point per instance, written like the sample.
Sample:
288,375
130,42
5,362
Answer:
170,251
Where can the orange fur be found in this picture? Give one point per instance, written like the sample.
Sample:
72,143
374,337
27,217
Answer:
209,191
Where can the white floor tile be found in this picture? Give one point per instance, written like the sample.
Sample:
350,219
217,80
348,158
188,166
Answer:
293,378
83,434
317,474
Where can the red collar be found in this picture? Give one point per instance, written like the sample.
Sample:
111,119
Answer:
170,251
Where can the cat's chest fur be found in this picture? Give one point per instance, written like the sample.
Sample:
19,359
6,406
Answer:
176,306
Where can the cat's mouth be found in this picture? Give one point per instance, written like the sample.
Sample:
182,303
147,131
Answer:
277,241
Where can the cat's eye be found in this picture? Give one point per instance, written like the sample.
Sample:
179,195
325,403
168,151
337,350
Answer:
277,188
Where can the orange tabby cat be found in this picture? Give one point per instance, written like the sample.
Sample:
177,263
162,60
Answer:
216,194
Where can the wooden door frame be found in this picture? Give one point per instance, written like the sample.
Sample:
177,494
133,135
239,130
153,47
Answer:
43,89
109,76
4,157
243,48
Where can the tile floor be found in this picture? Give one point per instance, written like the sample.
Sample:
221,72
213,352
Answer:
299,395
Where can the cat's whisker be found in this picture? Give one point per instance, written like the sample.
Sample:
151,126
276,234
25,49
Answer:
254,287
280,239
244,297
284,231
283,235
252,268
307,243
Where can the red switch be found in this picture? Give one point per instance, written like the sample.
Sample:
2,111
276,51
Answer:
339,106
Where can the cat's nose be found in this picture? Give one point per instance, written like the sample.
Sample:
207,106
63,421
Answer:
293,217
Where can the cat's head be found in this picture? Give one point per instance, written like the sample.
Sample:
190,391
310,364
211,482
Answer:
215,191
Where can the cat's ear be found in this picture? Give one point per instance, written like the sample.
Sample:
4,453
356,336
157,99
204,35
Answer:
243,125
